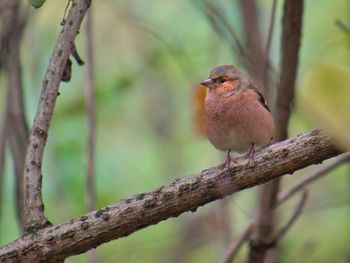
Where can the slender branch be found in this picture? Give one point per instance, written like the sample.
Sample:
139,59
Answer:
268,44
271,27
186,194
89,95
255,54
34,208
216,13
278,236
13,24
294,217
342,26
291,37
235,245
2,158
313,176
90,197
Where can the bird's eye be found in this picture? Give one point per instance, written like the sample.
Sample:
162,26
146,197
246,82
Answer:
221,80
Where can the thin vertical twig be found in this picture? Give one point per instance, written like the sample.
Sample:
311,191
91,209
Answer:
33,201
253,46
90,105
90,115
262,238
271,27
268,43
13,24
291,38
221,24
2,158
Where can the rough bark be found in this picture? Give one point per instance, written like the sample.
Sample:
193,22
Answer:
34,207
187,194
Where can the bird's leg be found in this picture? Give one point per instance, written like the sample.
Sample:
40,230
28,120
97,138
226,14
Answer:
228,158
250,154
228,161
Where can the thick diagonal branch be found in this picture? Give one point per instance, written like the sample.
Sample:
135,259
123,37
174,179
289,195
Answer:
34,208
186,194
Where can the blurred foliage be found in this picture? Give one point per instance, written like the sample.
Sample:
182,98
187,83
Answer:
150,56
326,93
37,3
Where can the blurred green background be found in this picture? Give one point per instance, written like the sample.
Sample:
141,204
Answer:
149,57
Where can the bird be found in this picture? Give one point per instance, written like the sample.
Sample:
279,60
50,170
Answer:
236,115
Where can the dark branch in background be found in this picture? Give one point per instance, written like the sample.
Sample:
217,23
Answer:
218,20
76,56
255,52
238,242
235,245
291,37
3,52
2,158
219,14
34,207
313,176
294,217
13,24
268,46
341,25
251,55
175,51
283,197
186,194
90,186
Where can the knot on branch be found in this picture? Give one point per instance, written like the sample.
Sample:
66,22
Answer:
39,132
35,226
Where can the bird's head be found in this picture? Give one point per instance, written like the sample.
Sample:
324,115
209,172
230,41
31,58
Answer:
224,79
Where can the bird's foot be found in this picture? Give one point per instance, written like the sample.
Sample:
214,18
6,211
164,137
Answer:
250,155
228,162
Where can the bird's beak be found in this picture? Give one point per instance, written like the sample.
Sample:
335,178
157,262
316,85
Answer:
207,83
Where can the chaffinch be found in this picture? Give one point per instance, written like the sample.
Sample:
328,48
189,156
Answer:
237,117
